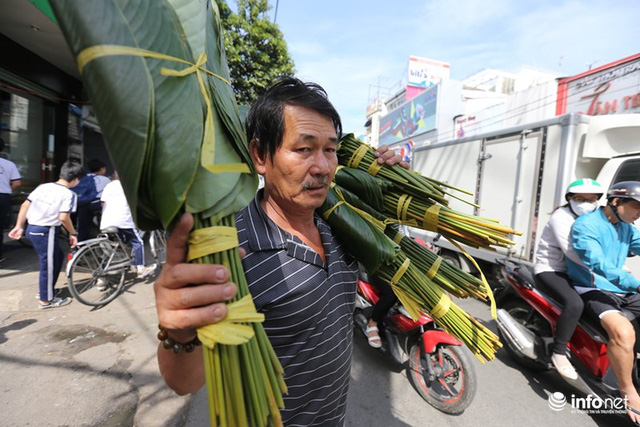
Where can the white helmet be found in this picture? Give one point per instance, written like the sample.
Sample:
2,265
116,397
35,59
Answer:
584,186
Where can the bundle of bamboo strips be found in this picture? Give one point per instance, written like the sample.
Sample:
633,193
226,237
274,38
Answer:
413,199
449,277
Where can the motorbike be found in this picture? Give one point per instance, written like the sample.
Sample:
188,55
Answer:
439,368
527,320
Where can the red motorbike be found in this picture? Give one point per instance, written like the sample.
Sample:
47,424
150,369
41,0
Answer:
438,367
527,321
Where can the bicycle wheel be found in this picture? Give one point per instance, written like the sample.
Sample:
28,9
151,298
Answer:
96,274
158,244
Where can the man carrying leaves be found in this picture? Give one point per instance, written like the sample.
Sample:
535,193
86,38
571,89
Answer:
298,273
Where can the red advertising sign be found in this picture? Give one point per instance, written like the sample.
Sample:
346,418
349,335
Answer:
611,89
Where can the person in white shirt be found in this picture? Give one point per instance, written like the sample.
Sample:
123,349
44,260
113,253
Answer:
116,213
551,269
9,181
47,208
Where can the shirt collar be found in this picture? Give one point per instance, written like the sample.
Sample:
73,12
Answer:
268,236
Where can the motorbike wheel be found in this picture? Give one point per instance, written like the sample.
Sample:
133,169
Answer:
453,388
525,315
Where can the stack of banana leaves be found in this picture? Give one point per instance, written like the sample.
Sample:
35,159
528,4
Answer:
157,78
367,204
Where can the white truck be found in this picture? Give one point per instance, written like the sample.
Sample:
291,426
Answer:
519,175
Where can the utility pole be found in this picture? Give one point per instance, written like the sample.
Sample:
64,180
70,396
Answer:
275,17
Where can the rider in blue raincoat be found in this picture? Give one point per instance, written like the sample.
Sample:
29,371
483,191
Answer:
602,240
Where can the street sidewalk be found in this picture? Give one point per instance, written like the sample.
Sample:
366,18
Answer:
77,365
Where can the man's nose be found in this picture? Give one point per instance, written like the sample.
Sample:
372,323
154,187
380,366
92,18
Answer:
321,164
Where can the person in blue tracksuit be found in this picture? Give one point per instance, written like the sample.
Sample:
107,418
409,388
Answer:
47,208
602,240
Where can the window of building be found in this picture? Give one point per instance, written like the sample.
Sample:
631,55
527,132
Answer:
27,127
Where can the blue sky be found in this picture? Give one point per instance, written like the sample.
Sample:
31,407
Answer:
350,46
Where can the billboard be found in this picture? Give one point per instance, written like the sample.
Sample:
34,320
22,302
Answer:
425,72
412,118
611,89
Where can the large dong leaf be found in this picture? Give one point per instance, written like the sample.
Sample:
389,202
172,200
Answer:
367,187
217,195
224,97
156,165
360,238
179,105
120,87
192,16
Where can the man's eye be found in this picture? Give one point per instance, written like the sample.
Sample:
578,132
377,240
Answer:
330,150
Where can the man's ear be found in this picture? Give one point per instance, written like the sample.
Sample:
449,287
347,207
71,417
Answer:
258,161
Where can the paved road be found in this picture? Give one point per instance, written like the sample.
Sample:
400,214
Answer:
381,394
77,366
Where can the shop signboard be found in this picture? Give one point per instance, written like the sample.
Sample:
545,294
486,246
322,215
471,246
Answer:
425,72
611,89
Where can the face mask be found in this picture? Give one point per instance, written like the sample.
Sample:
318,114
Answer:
582,208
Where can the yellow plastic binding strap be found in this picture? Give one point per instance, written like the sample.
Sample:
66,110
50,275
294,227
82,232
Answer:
374,167
208,139
400,208
430,220
403,268
442,307
211,240
405,208
230,331
357,156
398,237
494,314
434,268
328,213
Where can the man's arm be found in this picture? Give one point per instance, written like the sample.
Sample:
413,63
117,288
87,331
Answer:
183,307
589,249
15,184
18,229
65,217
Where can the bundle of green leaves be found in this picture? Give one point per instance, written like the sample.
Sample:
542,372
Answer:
414,199
362,236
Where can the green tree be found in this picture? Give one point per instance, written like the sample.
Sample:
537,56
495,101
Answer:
256,51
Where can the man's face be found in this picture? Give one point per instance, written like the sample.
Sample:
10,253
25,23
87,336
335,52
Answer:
298,177
629,211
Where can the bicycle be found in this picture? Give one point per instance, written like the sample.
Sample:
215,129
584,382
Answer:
158,245
96,272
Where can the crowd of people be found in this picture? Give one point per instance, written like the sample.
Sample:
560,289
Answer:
75,202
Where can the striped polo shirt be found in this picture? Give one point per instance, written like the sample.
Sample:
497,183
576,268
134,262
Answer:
308,308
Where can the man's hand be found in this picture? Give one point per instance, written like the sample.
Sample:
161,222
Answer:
16,233
389,157
73,240
182,306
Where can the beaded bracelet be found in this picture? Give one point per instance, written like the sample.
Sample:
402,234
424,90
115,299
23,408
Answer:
170,343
